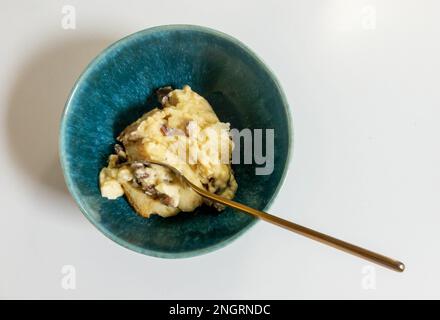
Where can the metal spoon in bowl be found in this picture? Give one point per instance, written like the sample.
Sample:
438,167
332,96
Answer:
304,231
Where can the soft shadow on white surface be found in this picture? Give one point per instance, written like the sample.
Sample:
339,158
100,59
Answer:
36,102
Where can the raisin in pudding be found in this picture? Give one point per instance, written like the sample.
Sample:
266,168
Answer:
185,133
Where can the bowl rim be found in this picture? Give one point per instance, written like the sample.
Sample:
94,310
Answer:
68,176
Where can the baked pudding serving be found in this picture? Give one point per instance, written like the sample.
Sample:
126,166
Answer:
183,132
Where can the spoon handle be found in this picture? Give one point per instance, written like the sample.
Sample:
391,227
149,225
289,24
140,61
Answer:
306,232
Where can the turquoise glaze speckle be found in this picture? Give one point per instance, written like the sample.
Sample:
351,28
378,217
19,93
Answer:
116,88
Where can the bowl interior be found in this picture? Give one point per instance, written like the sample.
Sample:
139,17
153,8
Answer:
118,87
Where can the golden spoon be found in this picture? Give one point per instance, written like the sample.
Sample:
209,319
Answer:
304,231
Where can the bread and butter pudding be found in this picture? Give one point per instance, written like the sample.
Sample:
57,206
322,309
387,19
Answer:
185,133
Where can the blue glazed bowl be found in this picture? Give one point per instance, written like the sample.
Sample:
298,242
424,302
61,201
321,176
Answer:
114,90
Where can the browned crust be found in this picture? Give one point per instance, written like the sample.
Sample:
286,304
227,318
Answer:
130,193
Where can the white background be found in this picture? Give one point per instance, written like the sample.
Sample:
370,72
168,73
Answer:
365,164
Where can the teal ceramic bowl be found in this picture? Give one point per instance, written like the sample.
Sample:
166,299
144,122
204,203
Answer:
114,90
